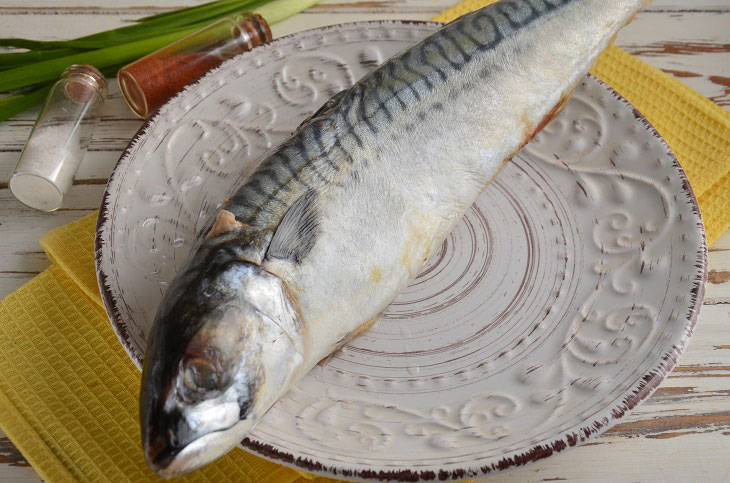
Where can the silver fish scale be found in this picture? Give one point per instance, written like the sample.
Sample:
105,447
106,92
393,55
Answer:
327,148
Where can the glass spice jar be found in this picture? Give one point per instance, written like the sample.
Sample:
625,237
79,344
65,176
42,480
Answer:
149,82
59,139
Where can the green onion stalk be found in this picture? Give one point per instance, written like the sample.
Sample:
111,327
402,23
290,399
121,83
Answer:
28,76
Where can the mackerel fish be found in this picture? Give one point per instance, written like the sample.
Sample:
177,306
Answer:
335,222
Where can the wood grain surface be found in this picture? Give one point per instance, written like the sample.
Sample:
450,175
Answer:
679,434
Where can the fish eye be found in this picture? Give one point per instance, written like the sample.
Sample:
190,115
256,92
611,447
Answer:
201,375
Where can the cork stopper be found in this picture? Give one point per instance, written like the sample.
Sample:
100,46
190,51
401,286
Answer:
252,29
85,82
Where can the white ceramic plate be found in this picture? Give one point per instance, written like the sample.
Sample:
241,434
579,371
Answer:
559,303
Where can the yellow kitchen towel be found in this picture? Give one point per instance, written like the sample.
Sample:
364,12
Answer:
697,130
68,391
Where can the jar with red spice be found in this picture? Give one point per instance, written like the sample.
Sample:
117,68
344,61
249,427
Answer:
149,82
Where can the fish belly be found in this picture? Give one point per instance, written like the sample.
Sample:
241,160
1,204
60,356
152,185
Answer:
416,169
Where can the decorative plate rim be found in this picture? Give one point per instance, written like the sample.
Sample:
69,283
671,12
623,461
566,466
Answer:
631,398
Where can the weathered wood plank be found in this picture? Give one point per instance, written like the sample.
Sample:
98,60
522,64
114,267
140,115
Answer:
689,5
13,465
680,460
722,243
21,228
697,52
9,454
10,282
718,293
677,435
718,286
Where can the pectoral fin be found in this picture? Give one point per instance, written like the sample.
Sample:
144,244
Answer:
298,230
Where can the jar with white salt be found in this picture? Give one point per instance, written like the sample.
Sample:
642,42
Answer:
59,139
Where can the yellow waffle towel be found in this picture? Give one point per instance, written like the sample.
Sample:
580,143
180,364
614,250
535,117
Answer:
68,392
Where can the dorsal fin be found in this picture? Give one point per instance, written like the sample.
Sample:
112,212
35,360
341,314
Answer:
225,222
298,230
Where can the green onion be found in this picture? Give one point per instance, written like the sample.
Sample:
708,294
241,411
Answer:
17,103
183,12
16,59
159,26
280,9
138,31
25,43
36,70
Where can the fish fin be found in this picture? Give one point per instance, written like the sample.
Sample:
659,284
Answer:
225,222
328,107
298,230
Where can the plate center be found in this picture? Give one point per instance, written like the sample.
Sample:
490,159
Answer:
482,302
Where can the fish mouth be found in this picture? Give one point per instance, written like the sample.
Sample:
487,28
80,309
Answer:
169,462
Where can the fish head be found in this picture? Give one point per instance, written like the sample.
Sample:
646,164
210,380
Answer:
222,350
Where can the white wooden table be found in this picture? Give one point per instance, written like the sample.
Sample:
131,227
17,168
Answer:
682,433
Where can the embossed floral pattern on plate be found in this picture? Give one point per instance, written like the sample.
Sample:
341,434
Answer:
559,302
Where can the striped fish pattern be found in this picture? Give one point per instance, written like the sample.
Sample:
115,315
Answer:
316,155
335,222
